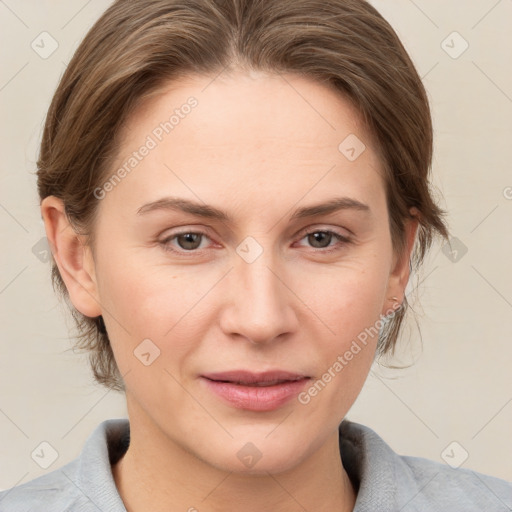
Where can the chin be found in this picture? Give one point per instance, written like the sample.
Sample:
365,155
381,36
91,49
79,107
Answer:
258,458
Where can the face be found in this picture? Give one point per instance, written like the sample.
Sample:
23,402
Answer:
227,297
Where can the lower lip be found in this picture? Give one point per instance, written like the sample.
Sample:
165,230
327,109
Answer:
253,398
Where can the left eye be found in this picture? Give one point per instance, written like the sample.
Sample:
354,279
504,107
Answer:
323,239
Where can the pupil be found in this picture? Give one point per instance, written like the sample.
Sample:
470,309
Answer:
319,237
191,240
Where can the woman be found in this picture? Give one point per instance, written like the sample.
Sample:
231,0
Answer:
235,193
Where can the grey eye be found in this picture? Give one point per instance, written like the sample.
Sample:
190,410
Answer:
189,241
318,239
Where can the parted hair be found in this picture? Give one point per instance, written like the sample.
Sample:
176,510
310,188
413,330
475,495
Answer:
137,46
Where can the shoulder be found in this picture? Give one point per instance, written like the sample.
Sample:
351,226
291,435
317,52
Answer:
440,484
55,489
388,481
84,484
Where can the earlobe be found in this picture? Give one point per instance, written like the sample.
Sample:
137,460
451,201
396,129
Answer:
72,257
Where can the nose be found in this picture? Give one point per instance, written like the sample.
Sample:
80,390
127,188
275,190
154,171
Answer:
259,305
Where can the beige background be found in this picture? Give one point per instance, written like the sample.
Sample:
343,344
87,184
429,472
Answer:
459,387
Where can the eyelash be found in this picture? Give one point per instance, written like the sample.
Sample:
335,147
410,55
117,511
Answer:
343,240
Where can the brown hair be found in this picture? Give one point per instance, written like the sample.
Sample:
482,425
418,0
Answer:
136,47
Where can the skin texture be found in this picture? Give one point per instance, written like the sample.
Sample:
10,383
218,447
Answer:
258,146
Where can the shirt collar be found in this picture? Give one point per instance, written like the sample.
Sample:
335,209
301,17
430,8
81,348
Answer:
368,460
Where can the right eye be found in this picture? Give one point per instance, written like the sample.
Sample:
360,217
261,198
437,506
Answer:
184,241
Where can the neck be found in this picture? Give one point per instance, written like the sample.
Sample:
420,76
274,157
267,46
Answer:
157,474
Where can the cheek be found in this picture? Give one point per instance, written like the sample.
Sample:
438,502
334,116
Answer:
351,309
143,302
175,307
348,302
347,297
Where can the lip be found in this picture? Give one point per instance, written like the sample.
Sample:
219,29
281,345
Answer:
240,388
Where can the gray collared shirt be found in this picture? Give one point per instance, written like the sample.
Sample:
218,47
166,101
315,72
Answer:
385,481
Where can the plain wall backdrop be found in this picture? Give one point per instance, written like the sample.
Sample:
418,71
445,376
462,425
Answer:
452,404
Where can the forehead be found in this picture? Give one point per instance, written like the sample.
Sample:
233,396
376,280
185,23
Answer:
248,132
258,106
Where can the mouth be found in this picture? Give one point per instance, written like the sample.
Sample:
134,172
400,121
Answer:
263,391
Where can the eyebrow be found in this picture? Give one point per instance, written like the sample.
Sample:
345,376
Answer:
210,212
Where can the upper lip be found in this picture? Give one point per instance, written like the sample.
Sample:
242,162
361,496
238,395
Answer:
248,377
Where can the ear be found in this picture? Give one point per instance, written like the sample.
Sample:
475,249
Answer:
400,272
74,259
